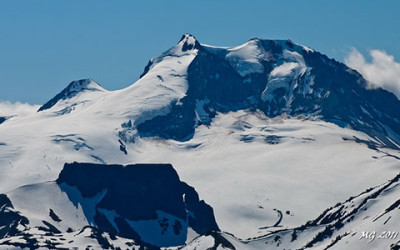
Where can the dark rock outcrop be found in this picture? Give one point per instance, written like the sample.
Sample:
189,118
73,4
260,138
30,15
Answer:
9,218
138,192
326,89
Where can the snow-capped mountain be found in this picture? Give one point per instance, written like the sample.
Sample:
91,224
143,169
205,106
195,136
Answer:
81,87
276,77
269,134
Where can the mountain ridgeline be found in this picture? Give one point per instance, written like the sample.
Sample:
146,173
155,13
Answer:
277,77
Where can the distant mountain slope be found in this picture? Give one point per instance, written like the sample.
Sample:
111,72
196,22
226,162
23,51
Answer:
73,89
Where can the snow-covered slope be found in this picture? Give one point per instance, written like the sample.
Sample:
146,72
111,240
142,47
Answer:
367,221
268,171
269,133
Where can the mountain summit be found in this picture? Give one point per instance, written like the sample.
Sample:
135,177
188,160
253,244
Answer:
188,42
73,89
277,77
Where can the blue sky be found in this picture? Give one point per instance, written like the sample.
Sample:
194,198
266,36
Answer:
44,45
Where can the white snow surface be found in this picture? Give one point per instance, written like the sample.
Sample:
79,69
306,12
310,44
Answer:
371,222
245,59
248,57
285,75
244,165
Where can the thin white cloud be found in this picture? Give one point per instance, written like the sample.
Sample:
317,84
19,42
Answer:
17,109
383,71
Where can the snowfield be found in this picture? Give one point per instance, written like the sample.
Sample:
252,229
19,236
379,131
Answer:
258,174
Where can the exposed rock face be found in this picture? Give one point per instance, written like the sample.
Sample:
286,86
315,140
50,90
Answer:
9,218
141,192
276,77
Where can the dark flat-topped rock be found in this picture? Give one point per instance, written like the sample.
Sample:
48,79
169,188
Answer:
139,192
